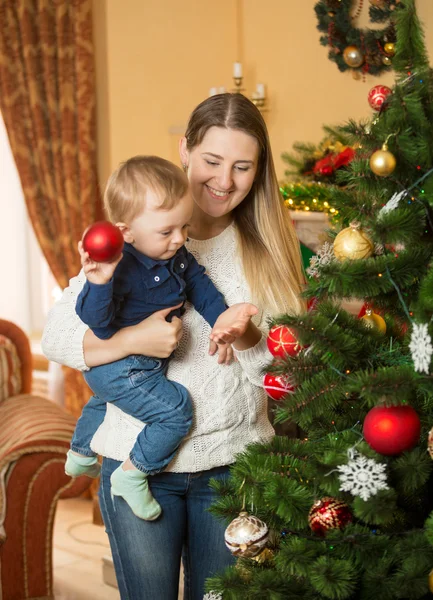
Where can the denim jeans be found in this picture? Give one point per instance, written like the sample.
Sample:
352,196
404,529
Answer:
138,386
147,554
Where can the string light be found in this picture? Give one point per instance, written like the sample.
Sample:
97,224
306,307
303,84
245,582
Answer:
308,197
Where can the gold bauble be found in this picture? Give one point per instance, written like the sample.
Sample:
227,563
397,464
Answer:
374,321
353,244
389,48
386,60
353,56
383,162
430,581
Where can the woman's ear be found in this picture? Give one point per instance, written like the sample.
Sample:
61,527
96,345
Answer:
184,154
126,232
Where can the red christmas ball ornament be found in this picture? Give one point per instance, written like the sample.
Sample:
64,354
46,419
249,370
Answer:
282,341
391,430
329,513
277,386
377,96
103,241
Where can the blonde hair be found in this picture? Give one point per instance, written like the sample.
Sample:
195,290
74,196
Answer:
127,187
268,243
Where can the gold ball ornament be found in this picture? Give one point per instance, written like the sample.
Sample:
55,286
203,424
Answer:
353,56
246,536
386,60
374,321
352,244
430,581
389,48
383,162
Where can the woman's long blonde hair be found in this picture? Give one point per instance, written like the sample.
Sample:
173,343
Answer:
268,243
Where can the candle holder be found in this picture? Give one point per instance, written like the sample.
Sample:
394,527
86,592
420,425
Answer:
238,89
258,97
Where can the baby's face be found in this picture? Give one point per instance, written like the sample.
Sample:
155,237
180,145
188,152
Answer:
159,233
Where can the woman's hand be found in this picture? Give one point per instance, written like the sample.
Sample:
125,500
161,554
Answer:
97,272
154,336
233,323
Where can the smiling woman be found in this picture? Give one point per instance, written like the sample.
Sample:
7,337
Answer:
227,154
241,232
224,166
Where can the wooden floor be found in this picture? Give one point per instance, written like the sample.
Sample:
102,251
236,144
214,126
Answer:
81,555
78,551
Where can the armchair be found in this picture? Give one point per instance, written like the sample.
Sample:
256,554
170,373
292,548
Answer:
34,439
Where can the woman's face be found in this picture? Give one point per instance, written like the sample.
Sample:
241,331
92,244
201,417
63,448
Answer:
221,169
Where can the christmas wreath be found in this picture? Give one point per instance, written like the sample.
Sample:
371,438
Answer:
362,50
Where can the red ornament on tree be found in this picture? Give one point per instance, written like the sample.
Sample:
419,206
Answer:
282,341
324,166
344,158
392,429
277,386
103,241
377,96
329,513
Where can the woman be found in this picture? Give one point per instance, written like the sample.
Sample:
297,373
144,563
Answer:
243,235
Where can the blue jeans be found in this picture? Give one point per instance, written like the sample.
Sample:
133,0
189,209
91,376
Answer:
138,386
147,554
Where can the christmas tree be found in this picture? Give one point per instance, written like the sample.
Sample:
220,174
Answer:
346,510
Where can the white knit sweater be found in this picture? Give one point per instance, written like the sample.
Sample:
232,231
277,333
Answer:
229,404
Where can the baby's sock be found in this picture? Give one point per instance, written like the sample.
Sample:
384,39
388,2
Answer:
133,486
77,465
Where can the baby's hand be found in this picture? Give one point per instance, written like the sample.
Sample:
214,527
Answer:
225,352
233,323
96,272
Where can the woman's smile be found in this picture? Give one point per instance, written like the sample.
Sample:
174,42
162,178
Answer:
218,194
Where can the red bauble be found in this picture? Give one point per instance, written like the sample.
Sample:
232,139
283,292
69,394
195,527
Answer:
103,241
377,96
282,341
277,386
392,429
329,513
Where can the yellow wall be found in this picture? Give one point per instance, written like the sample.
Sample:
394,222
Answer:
155,60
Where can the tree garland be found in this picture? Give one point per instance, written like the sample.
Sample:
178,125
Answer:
362,50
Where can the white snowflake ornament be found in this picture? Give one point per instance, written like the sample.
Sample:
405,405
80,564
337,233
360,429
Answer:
421,347
324,256
212,596
392,203
362,476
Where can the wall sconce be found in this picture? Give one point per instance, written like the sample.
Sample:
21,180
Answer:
258,97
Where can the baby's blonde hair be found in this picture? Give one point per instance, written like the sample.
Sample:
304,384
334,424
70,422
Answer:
126,191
